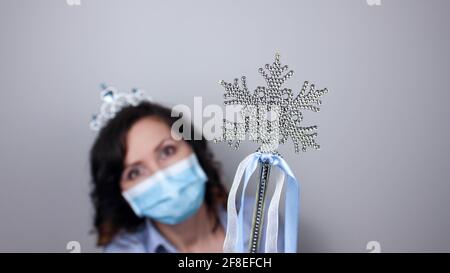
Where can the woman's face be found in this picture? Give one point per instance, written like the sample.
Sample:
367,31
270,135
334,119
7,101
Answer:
149,148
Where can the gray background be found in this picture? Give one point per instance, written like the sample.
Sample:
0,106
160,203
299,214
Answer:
383,171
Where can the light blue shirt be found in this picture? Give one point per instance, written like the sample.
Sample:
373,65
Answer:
147,239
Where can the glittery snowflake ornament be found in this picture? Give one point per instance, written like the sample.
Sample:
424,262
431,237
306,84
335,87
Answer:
271,114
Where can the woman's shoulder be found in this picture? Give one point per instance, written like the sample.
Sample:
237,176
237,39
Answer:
127,241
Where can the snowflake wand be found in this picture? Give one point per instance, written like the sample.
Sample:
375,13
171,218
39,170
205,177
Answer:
271,115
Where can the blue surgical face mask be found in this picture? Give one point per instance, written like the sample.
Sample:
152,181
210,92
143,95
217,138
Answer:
171,195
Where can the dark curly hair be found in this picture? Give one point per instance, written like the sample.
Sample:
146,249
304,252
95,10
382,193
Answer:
112,212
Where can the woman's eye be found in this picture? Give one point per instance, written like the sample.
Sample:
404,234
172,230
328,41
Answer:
133,174
167,151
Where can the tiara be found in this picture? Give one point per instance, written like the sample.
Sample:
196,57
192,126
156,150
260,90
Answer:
113,101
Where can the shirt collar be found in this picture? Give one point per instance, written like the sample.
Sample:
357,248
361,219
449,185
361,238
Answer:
157,243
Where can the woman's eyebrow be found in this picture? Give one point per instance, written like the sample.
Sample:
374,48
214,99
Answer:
132,164
158,147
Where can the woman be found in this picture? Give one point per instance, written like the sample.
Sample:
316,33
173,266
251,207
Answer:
152,193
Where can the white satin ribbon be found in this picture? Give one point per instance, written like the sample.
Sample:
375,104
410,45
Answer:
235,227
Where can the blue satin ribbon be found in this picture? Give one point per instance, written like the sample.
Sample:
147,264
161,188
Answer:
291,202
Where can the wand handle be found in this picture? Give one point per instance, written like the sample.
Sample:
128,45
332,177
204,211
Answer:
258,211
